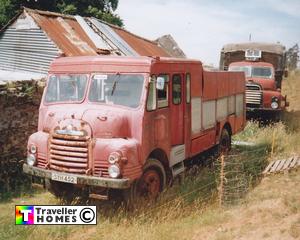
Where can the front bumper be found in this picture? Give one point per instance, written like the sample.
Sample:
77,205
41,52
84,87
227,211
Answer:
81,179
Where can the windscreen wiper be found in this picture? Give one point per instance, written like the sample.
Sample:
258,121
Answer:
115,84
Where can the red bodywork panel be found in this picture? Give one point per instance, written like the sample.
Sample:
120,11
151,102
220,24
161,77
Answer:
136,133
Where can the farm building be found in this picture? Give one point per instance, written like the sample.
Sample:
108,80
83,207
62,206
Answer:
31,40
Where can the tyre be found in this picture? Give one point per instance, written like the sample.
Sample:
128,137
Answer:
225,142
149,186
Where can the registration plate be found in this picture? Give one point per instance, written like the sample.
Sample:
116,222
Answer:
63,178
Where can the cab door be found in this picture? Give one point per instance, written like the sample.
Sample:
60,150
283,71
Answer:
177,109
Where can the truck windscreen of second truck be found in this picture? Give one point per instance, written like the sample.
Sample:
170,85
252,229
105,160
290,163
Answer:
250,71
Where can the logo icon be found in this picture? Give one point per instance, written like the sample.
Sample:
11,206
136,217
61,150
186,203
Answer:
87,215
24,215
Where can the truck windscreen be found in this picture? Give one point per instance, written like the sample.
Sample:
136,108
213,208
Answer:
245,69
263,72
66,88
251,71
117,89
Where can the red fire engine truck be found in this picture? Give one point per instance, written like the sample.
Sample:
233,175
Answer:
129,123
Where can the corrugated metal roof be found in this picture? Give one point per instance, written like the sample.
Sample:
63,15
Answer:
65,32
141,45
95,38
26,47
115,42
73,39
34,38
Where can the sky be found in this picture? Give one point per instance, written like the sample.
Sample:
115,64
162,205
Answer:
202,27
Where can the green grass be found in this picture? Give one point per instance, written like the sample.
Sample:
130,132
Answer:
278,139
176,221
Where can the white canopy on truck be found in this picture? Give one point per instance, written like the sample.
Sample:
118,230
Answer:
264,47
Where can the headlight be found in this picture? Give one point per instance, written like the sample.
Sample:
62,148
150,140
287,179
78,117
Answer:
33,149
274,105
114,157
114,171
30,159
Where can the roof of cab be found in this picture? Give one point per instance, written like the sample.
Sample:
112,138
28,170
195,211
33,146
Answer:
140,60
265,47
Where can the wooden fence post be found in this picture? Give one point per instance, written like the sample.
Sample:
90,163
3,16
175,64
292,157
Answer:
221,187
273,143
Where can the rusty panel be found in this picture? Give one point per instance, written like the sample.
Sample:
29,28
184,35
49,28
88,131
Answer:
209,85
77,28
196,81
203,142
142,46
240,82
65,33
231,82
222,84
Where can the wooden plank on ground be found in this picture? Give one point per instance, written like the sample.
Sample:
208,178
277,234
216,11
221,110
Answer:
293,162
268,167
280,165
287,163
273,169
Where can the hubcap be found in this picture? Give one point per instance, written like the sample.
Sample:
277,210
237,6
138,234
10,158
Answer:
149,186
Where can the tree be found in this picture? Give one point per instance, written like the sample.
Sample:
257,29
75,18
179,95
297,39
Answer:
292,57
101,9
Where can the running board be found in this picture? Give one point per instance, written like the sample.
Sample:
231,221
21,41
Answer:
177,169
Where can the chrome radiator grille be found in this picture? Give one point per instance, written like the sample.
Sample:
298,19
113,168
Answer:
69,154
101,168
253,94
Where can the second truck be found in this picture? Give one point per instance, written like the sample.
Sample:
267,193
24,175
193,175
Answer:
264,65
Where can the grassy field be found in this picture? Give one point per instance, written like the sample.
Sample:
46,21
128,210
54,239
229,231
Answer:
269,210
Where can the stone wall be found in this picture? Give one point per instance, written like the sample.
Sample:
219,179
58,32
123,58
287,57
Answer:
19,103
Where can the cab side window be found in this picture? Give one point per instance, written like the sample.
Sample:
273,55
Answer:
151,99
162,94
176,89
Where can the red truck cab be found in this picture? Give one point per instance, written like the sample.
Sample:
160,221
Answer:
264,65
261,90
129,123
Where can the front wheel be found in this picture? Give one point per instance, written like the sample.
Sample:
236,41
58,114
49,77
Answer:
150,185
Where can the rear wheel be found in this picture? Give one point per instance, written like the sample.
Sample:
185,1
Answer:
150,185
225,142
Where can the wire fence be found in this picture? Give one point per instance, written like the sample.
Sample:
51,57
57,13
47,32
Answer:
226,181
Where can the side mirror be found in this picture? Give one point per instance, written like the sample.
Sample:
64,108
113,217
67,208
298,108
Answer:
160,83
286,73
